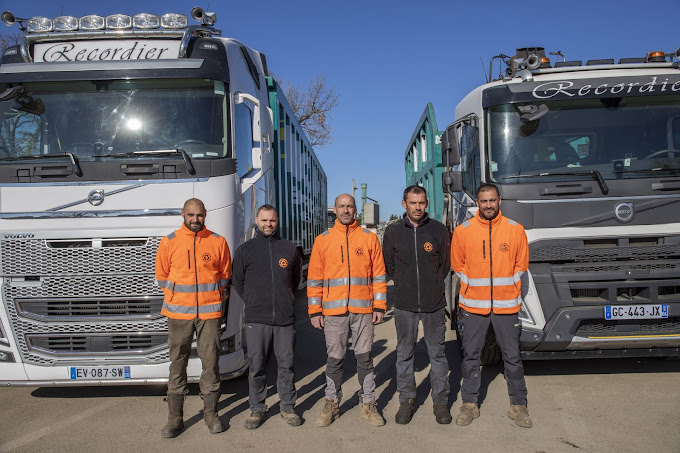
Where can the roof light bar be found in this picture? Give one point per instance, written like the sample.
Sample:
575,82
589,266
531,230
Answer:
92,22
146,21
174,20
39,24
65,23
118,22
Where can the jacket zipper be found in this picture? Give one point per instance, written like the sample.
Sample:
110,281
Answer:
271,265
349,273
342,254
415,244
195,273
189,258
491,263
484,249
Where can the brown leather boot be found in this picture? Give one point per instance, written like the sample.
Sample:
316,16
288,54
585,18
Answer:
175,416
210,412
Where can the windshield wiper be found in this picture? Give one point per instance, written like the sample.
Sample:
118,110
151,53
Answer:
74,160
653,170
594,174
162,152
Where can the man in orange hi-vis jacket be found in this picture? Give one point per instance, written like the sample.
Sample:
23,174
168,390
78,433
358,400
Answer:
490,253
346,291
193,265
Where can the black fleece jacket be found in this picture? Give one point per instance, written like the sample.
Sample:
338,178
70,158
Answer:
418,260
266,273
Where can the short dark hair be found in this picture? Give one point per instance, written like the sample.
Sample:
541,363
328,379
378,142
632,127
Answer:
266,207
414,189
487,187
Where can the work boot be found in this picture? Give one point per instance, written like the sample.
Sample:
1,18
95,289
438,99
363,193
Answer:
291,417
468,412
175,416
442,414
520,414
369,411
210,412
331,411
255,419
405,412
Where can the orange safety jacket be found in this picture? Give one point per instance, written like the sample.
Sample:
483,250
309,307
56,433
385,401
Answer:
489,258
346,272
193,269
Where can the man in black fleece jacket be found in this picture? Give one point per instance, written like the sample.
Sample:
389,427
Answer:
266,273
416,250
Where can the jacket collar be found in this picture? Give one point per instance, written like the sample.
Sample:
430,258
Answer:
494,222
344,228
273,237
204,233
407,221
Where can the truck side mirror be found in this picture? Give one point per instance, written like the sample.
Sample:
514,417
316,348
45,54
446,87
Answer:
452,181
450,150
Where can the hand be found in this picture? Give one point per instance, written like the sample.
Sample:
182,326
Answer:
317,322
378,317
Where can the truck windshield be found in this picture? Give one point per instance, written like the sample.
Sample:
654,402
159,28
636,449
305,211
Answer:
96,120
629,137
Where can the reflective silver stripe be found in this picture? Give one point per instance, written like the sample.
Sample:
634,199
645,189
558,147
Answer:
313,301
223,282
365,231
210,308
326,233
164,284
216,235
181,309
344,281
474,302
487,303
380,279
358,281
379,296
202,288
314,283
334,304
497,281
360,303
171,236
512,222
466,223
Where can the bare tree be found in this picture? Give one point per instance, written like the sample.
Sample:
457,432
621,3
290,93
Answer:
9,40
313,108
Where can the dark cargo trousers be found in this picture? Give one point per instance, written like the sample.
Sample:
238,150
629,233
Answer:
507,330
261,340
434,331
180,336
336,332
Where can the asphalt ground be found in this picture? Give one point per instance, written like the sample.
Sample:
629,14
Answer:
604,405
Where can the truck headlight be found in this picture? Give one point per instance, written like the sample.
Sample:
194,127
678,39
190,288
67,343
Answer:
525,315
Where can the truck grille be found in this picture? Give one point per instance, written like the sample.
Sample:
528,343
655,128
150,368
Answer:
83,297
643,327
97,343
605,250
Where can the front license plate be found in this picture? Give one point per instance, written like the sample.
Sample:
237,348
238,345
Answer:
97,372
636,311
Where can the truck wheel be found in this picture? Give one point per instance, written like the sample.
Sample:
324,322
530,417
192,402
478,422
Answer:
491,353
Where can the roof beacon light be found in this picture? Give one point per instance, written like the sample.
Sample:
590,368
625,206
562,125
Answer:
118,21
656,57
174,20
65,23
545,62
92,22
146,21
39,24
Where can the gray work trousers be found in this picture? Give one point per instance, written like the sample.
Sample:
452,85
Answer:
434,331
262,339
336,331
180,336
507,330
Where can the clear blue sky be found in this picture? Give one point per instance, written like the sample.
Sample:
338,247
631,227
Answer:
387,59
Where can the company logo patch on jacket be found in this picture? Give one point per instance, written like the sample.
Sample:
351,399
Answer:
206,257
504,247
359,251
428,247
283,263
